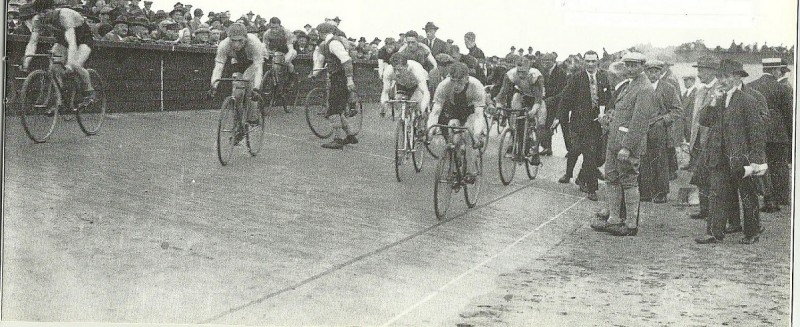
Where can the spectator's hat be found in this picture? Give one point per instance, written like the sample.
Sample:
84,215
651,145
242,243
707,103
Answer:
178,4
307,26
775,63
297,32
177,10
411,33
362,39
198,12
120,20
733,67
337,19
147,3
707,62
513,48
275,20
530,48
389,40
450,41
250,13
634,57
655,64
160,15
430,26
326,28
376,41
26,11
351,39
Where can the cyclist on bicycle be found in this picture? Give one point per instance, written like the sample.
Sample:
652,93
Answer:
245,53
74,41
333,54
459,101
279,41
414,50
405,77
525,85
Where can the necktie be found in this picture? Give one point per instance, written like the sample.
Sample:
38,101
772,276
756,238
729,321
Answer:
593,89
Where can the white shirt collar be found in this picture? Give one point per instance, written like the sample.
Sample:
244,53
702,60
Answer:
783,78
329,37
689,90
655,84
616,87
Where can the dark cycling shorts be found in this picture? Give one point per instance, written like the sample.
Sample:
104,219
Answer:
238,65
339,96
83,35
449,112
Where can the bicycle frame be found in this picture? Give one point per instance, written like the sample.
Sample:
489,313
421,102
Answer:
408,114
514,115
239,92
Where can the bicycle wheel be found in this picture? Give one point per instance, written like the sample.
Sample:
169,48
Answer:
533,169
316,107
226,130
356,121
39,110
418,136
279,90
472,169
399,149
91,118
505,157
255,135
443,185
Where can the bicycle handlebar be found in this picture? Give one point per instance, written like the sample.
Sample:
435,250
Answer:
403,101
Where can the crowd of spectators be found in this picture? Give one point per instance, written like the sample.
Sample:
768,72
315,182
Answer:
136,21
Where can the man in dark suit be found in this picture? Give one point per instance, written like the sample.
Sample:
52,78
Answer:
687,101
583,95
778,131
555,78
655,169
735,150
434,43
469,41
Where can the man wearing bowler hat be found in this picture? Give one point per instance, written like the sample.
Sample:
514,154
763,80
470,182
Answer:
434,43
778,130
627,141
734,155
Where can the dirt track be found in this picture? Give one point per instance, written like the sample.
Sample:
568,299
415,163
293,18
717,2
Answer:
141,224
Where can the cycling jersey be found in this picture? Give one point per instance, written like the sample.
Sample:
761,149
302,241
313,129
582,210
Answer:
460,104
411,82
252,53
52,20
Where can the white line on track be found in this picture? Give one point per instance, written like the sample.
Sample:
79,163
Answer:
476,267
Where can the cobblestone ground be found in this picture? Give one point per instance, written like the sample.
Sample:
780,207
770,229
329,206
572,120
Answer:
141,224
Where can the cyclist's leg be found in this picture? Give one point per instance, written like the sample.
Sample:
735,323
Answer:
83,53
253,75
337,104
59,55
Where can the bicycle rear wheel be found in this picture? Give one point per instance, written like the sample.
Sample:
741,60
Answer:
443,185
255,135
356,121
39,110
530,168
472,160
91,118
316,108
226,130
506,162
399,149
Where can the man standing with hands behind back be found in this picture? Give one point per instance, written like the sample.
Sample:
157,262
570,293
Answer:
627,140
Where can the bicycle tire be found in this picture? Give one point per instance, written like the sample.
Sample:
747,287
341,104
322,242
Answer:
506,163
356,122
38,109
399,149
531,169
91,118
255,135
417,153
316,107
443,185
226,130
473,167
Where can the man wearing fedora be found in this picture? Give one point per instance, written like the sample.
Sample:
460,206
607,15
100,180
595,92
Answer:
778,132
707,72
148,10
735,153
627,141
434,43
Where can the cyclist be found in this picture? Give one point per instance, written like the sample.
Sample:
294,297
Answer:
459,101
333,54
413,50
74,40
525,85
280,41
245,53
405,77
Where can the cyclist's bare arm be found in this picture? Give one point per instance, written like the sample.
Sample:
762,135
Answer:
72,47
432,60
30,49
319,61
388,82
438,100
338,50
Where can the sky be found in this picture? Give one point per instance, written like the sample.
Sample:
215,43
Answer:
564,26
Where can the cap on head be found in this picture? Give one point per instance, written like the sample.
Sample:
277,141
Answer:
412,33
770,63
326,28
337,19
389,40
733,67
654,64
634,57
237,31
430,26
275,20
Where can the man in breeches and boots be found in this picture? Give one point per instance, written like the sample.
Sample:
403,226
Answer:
627,141
334,55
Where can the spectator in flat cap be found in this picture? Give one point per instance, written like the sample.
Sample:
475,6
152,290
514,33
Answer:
472,47
435,44
119,33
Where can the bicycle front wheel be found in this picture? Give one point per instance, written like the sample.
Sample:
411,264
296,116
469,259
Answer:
506,154
472,160
91,118
418,137
399,149
316,109
226,130
444,181
39,108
